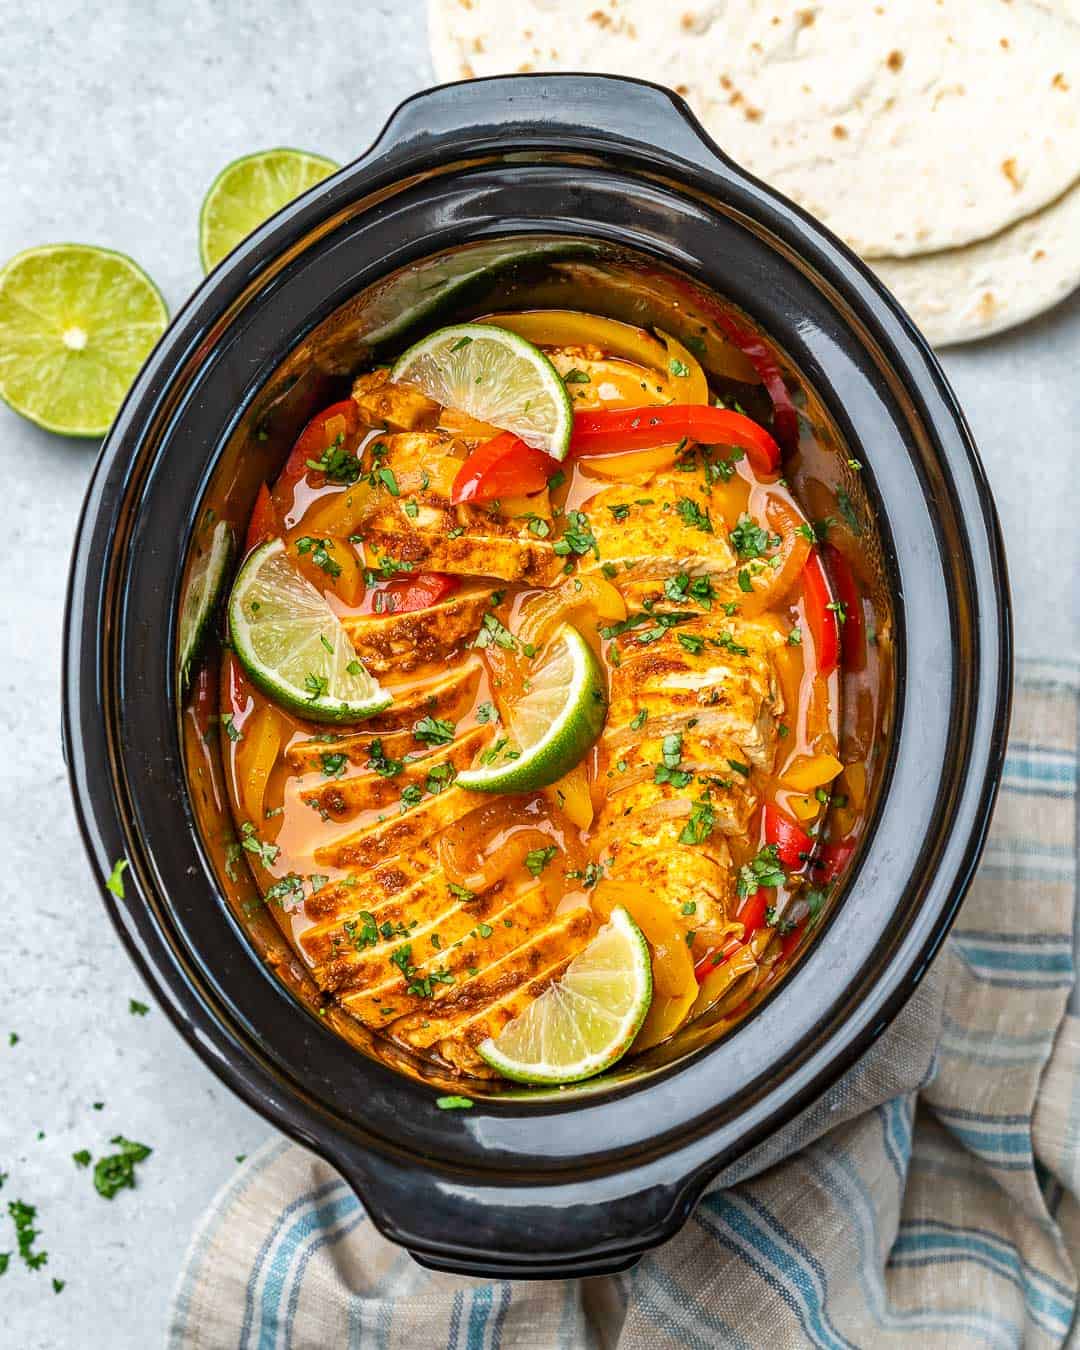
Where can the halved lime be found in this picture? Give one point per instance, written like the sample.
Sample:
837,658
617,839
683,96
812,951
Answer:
249,191
551,727
291,644
204,588
496,377
76,323
583,1023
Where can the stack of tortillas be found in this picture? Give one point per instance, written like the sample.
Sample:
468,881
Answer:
939,138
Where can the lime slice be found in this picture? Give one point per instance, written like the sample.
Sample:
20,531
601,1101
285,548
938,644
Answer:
584,1022
495,376
551,727
204,589
76,323
249,191
292,646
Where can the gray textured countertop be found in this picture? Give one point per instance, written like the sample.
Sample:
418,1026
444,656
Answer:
112,124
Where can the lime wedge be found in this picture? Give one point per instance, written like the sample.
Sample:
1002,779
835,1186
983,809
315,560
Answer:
495,376
584,1022
551,727
249,191
76,323
292,646
205,584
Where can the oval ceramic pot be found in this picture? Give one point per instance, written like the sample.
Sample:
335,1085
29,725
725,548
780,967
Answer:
581,1182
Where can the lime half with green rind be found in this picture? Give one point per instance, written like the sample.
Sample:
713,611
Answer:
205,585
495,376
250,190
76,324
551,727
292,645
587,1020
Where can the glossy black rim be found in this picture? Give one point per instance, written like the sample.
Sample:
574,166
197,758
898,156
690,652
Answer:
509,1187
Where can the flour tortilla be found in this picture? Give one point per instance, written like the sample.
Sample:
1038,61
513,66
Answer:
907,126
966,293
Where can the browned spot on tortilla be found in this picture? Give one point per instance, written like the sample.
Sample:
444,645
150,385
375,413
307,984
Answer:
1038,255
1003,43
1059,81
752,114
725,82
682,89
525,68
987,305
599,18
465,4
840,132
1008,168
735,98
776,20
805,17
688,21
894,60
478,44
467,71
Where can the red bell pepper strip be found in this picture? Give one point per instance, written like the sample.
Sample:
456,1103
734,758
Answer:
791,940
793,844
318,436
821,619
760,356
620,429
751,916
417,592
752,913
852,630
834,859
502,467
264,523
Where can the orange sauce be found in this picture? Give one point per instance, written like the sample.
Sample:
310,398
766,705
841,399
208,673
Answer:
281,832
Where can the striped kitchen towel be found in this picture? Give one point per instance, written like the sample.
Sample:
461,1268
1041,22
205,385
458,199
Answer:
930,1199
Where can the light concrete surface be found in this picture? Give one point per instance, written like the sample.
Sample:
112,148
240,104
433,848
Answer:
112,123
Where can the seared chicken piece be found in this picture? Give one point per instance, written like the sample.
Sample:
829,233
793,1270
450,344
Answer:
720,675
401,407
674,531
484,1003
688,723
401,642
418,525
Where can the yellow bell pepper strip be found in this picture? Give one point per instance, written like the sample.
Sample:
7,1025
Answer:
807,772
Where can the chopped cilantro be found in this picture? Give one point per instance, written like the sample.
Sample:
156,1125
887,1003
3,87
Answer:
577,537
136,1008
693,515
691,642
115,883
333,763
337,463
82,1158
320,555
453,1103
701,822
460,892
266,853
678,367
362,931
576,376
433,731
538,858
762,870
749,539
117,1170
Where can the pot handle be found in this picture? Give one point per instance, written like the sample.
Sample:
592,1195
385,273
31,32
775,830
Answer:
522,112
502,1226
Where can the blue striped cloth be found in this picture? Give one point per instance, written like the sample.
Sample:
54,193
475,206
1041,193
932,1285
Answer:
930,1199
